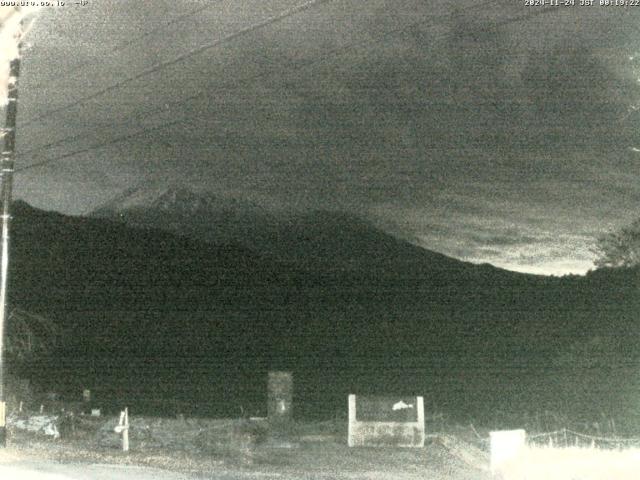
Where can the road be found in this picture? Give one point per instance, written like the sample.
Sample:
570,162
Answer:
43,470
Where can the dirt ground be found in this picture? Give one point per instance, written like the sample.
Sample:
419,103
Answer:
206,451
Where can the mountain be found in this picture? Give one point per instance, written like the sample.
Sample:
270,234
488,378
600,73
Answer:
320,238
152,318
204,216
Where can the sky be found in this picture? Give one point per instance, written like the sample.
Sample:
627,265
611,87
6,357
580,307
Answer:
486,130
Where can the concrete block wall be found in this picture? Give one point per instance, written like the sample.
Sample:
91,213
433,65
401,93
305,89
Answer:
371,433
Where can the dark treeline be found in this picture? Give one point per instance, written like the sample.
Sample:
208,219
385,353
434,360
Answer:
164,323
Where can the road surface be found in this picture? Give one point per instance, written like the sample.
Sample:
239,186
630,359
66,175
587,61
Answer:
44,470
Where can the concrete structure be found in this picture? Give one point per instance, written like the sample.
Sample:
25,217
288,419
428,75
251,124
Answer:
280,397
507,448
386,421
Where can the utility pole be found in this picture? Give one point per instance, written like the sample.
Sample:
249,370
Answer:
7,161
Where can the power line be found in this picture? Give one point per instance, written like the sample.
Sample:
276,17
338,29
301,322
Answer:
133,40
98,146
301,64
161,66
135,118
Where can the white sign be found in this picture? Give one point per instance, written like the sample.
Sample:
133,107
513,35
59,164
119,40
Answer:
401,406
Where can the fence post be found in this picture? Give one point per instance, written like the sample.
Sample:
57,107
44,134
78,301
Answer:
125,432
352,419
123,427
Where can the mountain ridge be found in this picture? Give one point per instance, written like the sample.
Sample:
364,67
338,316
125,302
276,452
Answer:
147,311
316,237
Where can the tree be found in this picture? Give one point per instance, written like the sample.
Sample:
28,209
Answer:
29,335
619,248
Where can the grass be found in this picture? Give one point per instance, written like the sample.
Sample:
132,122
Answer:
315,450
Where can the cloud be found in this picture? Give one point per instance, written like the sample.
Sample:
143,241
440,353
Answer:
488,139
535,252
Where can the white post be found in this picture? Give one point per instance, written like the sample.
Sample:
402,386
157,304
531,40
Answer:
352,419
421,426
123,427
125,432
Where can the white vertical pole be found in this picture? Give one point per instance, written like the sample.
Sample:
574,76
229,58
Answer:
352,420
125,431
420,407
7,157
